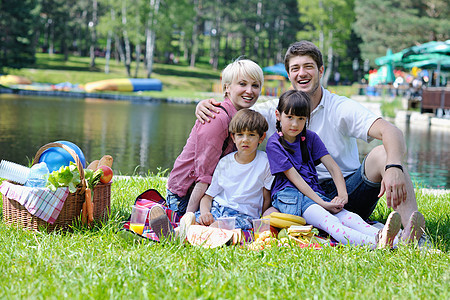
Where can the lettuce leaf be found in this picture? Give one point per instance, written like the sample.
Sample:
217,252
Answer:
66,176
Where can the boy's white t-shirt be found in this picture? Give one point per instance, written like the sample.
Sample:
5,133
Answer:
240,186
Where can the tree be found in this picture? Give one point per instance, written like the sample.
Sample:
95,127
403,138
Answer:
328,25
398,24
16,33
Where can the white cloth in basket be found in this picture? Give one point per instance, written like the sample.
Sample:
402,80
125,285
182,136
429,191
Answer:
40,202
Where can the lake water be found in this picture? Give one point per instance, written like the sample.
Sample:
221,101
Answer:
146,136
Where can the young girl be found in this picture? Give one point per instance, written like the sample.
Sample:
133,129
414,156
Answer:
191,175
293,153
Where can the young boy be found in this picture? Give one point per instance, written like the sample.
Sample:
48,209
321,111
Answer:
241,181
240,185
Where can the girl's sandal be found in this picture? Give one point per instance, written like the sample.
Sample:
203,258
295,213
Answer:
387,234
160,224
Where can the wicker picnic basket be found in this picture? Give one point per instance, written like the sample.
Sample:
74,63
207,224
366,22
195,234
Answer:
15,213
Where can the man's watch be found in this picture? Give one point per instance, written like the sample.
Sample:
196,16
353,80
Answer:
393,166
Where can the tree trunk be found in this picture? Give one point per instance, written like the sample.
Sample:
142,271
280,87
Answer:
329,67
195,35
126,41
93,25
119,48
151,35
215,37
256,45
138,59
108,52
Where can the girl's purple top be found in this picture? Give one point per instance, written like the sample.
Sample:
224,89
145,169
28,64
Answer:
281,160
202,152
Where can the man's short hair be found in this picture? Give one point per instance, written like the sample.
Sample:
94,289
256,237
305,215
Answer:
248,120
302,48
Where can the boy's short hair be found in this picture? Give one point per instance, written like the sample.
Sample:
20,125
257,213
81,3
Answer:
241,67
302,48
248,120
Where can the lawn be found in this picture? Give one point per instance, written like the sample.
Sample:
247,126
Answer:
100,264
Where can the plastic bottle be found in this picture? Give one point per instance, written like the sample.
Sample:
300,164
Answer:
14,172
38,176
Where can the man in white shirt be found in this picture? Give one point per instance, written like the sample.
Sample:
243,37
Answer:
339,121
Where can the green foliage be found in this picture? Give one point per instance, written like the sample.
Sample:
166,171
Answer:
399,24
66,176
389,108
16,33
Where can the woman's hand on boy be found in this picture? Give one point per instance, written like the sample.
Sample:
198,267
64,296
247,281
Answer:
206,219
205,109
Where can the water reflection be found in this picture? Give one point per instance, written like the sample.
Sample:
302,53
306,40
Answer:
144,136
428,152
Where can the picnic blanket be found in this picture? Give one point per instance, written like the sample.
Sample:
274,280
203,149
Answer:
40,202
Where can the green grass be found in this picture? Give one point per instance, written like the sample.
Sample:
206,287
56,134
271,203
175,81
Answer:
390,108
100,264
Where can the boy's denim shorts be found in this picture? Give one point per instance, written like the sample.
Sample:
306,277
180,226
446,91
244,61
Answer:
176,203
243,221
362,193
292,201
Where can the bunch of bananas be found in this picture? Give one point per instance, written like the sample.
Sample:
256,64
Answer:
280,220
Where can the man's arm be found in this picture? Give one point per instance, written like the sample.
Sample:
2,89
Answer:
205,109
393,180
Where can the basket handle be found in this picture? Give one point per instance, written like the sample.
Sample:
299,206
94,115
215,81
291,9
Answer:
71,152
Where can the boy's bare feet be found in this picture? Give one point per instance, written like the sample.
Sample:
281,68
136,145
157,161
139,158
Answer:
414,229
387,235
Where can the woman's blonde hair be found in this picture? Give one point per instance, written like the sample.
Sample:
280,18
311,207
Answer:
244,68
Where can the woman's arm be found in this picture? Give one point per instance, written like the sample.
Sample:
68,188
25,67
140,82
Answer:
206,218
197,194
306,190
338,179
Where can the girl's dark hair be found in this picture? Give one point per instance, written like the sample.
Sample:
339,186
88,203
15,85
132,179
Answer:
295,103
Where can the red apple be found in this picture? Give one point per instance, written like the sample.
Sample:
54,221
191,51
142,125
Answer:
107,174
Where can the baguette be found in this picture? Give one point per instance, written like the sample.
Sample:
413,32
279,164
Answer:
93,165
106,160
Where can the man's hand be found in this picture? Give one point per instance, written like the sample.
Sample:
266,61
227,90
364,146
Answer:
394,185
206,219
205,109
